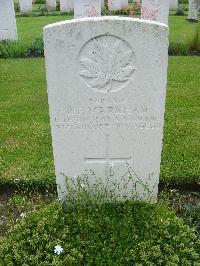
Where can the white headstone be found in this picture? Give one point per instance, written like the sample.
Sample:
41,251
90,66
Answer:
193,9
25,6
114,5
106,81
51,4
87,8
8,29
124,4
173,4
66,5
157,10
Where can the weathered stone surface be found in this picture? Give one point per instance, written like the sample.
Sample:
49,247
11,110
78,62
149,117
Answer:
157,10
66,5
51,5
173,4
87,8
8,29
25,6
106,88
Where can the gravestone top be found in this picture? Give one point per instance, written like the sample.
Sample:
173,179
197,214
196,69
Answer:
87,8
104,18
194,6
25,6
106,80
157,10
66,5
8,29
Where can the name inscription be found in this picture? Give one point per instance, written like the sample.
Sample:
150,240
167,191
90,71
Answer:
101,113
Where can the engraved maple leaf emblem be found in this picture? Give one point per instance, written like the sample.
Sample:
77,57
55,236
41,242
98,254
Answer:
107,65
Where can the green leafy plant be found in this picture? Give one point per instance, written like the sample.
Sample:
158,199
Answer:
178,48
126,233
192,215
36,48
186,205
16,6
10,49
20,204
57,5
179,12
133,9
183,1
40,1
194,41
43,10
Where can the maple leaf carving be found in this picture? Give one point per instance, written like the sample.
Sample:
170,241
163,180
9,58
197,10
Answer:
106,64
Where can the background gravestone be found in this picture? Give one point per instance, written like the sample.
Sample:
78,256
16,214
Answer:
124,4
87,8
25,6
157,10
66,5
194,5
51,4
106,88
114,5
173,4
8,29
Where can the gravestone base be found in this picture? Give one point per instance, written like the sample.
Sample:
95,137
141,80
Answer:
192,20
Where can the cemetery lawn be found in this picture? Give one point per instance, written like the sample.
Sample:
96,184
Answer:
31,27
25,141
180,29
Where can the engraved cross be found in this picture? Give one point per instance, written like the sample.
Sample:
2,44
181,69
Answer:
107,159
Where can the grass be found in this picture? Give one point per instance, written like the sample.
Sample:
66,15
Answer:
25,140
180,29
26,150
181,157
31,27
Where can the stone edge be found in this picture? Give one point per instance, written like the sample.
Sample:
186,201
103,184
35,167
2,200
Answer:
105,18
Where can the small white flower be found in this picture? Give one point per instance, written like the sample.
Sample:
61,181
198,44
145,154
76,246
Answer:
58,249
82,185
23,215
76,176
